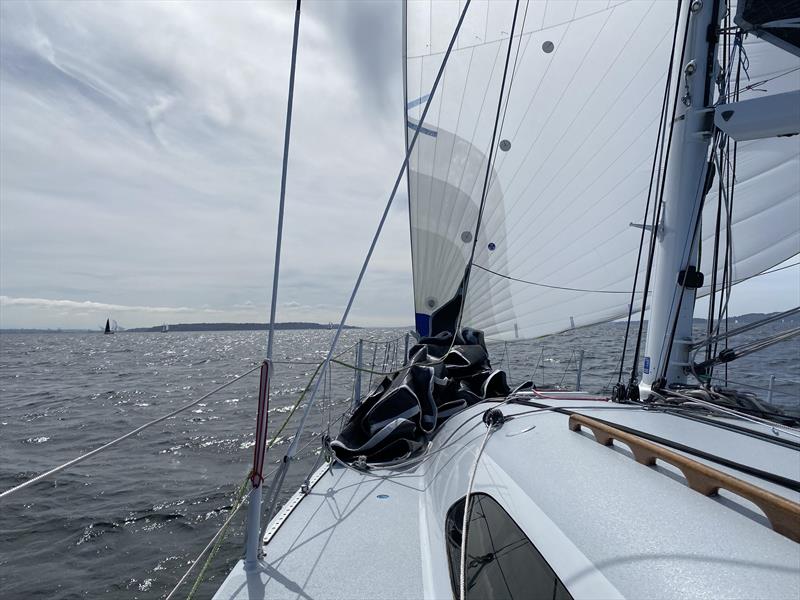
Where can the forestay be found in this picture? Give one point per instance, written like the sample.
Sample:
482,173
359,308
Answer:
556,246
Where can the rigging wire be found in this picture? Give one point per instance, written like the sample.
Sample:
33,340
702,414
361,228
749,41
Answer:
721,178
659,135
731,173
280,476
726,189
761,387
546,285
511,80
598,121
738,352
492,209
657,157
214,545
660,187
621,315
490,428
681,288
114,442
741,64
715,261
776,428
514,67
489,161
750,326
725,288
727,175
754,85
769,271
448,256
724,186
252,548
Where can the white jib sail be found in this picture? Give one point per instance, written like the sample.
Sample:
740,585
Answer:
556,248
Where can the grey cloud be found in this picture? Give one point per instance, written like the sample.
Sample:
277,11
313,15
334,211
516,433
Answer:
98,306
372,34
140,155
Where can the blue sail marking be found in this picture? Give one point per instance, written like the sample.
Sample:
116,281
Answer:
411,124
417,102
423,323
422,128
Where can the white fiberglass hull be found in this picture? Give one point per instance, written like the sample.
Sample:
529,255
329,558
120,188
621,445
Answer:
607,525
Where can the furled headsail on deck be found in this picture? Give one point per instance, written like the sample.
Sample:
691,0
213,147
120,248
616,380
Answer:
556,248
446,374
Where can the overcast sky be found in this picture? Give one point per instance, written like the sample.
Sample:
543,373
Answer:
140,153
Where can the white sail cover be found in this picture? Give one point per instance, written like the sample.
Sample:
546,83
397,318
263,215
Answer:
556,248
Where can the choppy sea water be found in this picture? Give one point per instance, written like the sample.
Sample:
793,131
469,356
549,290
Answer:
127,523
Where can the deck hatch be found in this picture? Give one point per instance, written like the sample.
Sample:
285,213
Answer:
502,563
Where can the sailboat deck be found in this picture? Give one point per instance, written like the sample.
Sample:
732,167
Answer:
331,542
607,525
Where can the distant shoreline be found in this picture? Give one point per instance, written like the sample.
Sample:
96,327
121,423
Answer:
294,325
183,327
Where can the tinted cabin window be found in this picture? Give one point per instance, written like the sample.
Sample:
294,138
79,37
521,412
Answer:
501,561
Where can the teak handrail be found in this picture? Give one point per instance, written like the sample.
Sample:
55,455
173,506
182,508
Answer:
783,514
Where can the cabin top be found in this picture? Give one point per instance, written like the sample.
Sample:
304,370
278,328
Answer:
553,509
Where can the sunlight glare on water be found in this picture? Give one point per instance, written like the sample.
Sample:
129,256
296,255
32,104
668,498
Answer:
126,523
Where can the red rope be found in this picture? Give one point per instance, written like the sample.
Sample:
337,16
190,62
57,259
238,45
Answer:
259,451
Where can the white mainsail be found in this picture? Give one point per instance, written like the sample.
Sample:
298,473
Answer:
556,248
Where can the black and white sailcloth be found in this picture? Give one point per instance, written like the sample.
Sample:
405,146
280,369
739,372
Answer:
405,409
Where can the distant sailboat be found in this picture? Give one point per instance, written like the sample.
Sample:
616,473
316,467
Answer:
165,328
108,330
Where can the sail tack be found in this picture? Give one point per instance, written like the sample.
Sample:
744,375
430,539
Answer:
558,242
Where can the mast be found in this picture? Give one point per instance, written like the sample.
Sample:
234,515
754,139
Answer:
676,278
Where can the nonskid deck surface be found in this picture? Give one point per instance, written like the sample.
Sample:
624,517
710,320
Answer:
717,441
351,537
608,526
